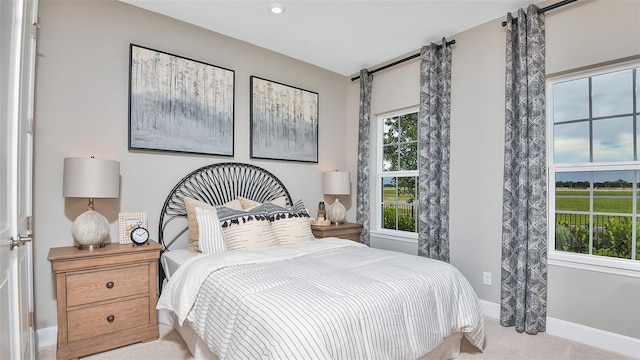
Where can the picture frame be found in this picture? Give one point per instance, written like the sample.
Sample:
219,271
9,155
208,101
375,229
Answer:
128,221
178,104
284,122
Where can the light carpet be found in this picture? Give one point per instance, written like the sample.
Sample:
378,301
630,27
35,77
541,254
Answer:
501,343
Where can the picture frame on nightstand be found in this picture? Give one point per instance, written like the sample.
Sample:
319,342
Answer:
128,221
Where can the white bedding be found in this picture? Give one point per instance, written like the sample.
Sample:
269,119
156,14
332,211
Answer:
331,298
172,260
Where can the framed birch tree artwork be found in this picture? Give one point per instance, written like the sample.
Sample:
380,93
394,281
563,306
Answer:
178,104
284,122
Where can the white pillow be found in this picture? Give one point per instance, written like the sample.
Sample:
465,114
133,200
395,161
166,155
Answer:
247,229
210,235
290,225
292,230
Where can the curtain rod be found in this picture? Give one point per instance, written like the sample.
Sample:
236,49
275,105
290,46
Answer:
547,8
400,61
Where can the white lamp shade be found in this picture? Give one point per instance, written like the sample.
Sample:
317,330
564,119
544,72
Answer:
336,183
91,178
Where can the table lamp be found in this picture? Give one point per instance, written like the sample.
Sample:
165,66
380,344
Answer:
336,183
90,178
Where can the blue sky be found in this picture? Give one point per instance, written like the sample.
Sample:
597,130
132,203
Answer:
612,137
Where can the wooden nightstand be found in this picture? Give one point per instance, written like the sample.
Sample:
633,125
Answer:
106,297
345,231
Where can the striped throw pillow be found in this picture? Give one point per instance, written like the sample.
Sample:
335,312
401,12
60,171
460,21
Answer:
210,236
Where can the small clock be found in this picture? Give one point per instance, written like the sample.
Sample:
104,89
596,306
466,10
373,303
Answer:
139,235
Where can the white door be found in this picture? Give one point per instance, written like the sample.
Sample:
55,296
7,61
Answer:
17,67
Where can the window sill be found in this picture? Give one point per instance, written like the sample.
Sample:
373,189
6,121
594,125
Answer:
605,265
395,235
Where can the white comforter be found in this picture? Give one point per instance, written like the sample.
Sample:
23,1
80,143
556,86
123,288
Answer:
323,299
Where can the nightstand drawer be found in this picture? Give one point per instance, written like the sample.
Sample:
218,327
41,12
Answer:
103,319
107,284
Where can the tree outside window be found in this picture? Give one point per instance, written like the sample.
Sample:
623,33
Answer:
398,179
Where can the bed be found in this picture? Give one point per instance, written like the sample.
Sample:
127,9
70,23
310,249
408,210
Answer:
263,287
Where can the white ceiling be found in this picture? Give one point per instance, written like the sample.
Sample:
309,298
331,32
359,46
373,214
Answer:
341,36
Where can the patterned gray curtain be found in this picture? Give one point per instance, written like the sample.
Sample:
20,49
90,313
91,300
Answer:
524,220
433,151
363,192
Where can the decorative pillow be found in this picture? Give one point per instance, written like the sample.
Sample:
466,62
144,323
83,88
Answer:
290,225
245,229
233,204
190,205
210,236
248,204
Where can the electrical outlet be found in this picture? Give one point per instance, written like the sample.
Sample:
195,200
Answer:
486,278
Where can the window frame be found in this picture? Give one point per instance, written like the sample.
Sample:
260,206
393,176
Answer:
376,216
610,265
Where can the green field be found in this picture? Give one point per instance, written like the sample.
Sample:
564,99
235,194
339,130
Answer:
605,201
609,201
389,195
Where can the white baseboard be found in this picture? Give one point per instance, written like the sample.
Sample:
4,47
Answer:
47,336
490,309
625,345
621,344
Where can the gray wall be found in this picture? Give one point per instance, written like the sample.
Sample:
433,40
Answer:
81,110
578,35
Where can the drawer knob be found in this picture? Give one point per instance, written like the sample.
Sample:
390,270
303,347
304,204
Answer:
110,285
110,318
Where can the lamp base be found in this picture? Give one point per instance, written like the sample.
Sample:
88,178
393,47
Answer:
337,212
90,247
89,230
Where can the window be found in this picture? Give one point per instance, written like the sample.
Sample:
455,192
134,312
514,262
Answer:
594,167
397,169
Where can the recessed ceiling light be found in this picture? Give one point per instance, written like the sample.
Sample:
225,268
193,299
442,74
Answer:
276,8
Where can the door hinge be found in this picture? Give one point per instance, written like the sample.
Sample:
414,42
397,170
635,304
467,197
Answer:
30,319
29,225
34,30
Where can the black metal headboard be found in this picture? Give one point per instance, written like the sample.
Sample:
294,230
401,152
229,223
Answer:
217,184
